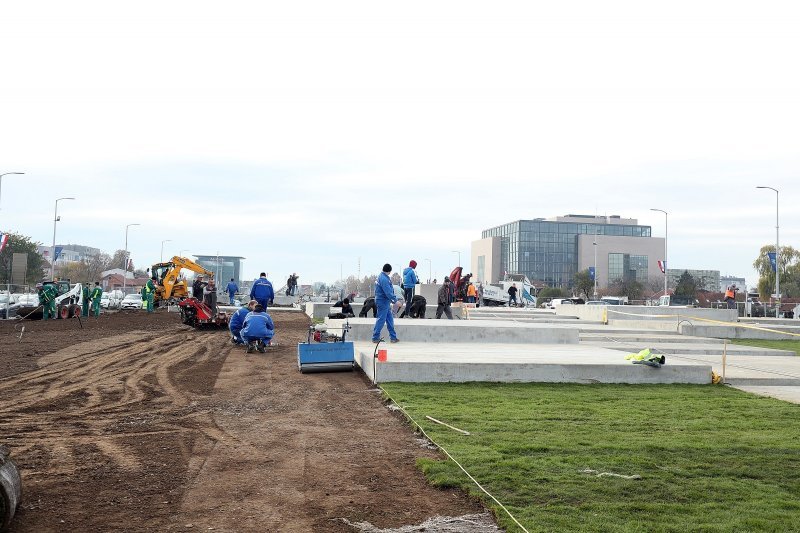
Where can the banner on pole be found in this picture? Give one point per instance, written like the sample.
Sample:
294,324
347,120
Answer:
591,273
772,261
662,265
3,240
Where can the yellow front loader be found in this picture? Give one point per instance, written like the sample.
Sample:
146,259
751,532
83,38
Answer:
170,287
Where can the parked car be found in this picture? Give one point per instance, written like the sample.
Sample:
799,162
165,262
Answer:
132,301
27,301
597,302
109,300
6,300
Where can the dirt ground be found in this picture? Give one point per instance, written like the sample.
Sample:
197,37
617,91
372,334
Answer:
137,422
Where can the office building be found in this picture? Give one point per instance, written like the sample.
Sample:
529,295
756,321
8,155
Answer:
224,267
551,251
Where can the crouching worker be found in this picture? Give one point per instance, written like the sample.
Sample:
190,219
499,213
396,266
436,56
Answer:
417,307
237,322
257,330
346,310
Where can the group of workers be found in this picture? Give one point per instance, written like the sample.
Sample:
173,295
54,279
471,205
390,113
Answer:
48,293
252,326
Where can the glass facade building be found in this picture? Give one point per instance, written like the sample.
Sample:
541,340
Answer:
224,267
547,250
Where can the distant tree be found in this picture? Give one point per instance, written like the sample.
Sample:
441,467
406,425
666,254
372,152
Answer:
118,260
551,292
654,284
583,283
22,244
627,287
788,265
686,286
87,269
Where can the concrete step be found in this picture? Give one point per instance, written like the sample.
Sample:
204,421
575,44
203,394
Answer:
693,349
641,338
591,327
462,331
426,362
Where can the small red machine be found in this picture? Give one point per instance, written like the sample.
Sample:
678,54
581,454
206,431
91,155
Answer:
198,315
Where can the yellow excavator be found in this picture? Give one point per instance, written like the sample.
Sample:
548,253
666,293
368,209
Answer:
169,286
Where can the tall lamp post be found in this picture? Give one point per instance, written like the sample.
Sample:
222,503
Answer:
430,270
53,249
666,227
777,252
125,266
162,248
594,245
459,256
1,181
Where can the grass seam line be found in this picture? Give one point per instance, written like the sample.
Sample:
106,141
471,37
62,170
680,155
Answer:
449,456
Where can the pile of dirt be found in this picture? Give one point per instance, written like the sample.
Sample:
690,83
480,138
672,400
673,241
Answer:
136,421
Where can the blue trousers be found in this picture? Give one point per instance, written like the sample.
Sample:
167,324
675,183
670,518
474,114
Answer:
384,316
263,303
237,334
248,339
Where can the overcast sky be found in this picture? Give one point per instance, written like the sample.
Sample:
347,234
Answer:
306,135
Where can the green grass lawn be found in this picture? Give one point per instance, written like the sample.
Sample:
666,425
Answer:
778,345
711,458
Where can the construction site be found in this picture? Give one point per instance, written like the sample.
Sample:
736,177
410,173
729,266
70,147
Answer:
140,421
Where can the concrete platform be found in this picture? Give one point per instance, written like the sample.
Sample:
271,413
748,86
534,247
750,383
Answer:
463,331
744,330
691,349
270,310
428,362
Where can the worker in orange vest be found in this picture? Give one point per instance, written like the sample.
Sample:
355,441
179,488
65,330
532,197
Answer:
471,293
730,296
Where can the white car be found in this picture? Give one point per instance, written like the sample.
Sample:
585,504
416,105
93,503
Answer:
132,301
109,301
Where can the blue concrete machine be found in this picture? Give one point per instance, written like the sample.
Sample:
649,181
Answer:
325,352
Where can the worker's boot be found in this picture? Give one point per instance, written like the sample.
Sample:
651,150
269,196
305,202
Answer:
261,347
251,347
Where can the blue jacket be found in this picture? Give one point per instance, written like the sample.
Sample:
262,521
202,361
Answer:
262,290
409,278
237,319
232,288
384,292
258,325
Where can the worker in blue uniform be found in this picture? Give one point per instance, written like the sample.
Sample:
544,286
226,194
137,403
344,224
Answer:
237,322
258,330
410,281
384,298
262,291
231,289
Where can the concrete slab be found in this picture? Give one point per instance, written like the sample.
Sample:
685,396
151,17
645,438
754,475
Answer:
645,338
427,362
645,312
743,330
270,310
464,331
749,370
788,394
691,349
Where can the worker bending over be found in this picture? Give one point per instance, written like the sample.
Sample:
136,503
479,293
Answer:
258,330
237,322
47,299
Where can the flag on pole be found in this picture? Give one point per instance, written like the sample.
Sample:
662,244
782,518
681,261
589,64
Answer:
3,241
662,265
591,273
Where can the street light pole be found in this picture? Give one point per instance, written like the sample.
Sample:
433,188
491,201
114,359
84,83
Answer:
777,252
180,253
125,266
666,229
162,248
459,256
1,181
53,249
430,270
594,245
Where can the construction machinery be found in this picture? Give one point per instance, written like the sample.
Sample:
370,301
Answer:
170,286
497,293
68,301
324,351
10,488
198,315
